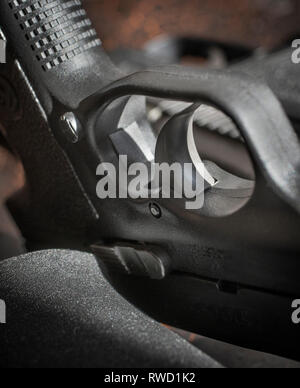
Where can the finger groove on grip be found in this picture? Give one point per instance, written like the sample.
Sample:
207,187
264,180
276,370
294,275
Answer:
57,30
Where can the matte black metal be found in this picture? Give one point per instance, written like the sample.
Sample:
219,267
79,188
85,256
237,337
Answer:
62,313
58,48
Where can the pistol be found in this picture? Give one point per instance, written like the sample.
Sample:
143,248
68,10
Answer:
228,268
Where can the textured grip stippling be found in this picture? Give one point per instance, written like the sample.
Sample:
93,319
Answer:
57,30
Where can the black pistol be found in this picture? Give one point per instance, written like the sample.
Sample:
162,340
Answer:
228,269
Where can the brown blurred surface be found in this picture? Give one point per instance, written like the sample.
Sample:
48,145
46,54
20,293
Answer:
11,174
131,23
232,356
11,180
